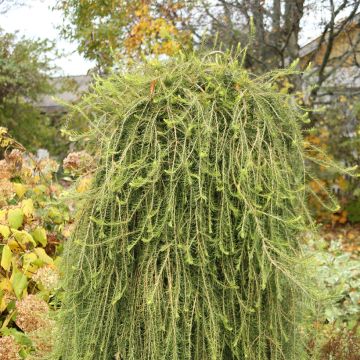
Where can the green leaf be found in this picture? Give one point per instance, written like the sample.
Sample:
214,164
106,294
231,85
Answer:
39,234
19,283
15,218
23,353
6,258
19,336
11,306
55,215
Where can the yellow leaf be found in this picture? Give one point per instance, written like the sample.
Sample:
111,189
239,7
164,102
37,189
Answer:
164,32
6,257
342,98
3,303
3,215
28,264
40,189
40,252
14,245
4,231
66,232
342,182
20,189
15,218
28,207
84,185
24,238
29,258
36,179
39,234
5,285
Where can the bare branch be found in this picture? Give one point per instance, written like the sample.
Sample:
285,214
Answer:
330,33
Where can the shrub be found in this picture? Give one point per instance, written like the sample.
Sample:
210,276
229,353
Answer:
337,133
32,228
187,245
336,329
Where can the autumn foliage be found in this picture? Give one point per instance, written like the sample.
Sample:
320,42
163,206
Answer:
126,29
34,223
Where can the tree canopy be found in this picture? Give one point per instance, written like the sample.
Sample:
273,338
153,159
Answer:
111,30
108,31
25,69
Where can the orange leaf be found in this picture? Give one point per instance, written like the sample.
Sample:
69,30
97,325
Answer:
152,87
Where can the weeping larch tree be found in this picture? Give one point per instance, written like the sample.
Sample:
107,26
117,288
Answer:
187,246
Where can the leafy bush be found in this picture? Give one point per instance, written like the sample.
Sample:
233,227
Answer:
337,133
33,226
336,330
339,271
353,208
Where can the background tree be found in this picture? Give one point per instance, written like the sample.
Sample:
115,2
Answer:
25,71
276,28
277,32
111,30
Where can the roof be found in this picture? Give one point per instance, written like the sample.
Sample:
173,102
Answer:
74,87
314,44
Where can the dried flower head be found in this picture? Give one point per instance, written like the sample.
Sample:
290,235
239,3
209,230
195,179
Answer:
15,159
78,162
5,170
31,313
6,189
43,341
9,349
47,276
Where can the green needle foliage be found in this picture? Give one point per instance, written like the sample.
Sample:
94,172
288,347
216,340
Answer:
187,246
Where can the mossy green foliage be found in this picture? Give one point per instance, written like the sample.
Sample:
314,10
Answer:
187,246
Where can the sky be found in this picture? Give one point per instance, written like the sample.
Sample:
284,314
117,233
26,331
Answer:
38,20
